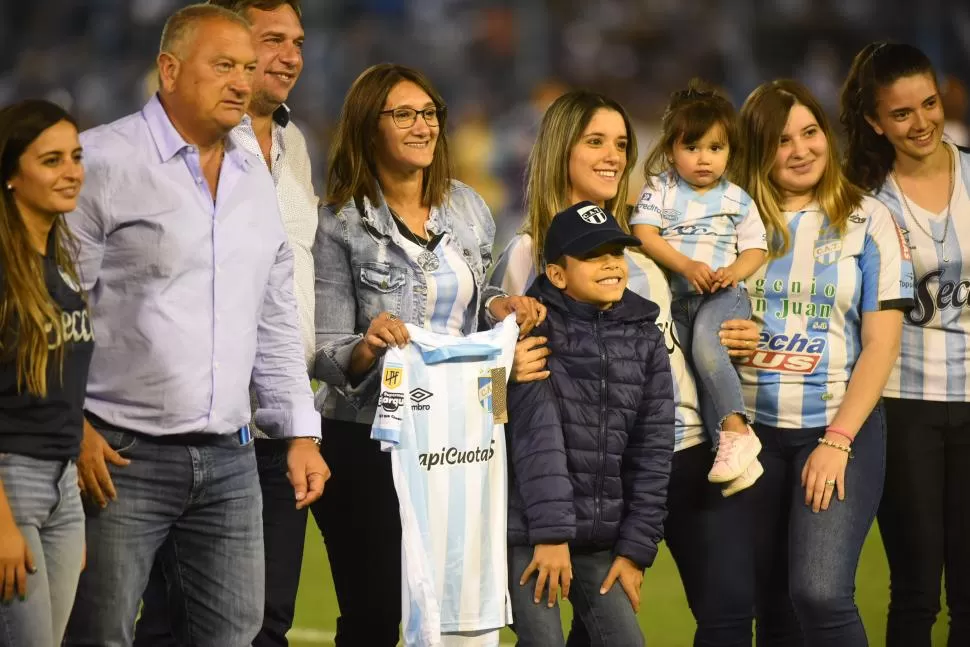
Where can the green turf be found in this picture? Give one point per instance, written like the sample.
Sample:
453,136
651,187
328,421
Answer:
664,615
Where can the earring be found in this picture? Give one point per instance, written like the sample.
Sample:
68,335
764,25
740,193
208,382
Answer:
9,187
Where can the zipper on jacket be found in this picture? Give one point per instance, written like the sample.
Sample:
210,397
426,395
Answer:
601,440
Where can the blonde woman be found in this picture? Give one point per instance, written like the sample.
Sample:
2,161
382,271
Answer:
585,150
46,343
830,304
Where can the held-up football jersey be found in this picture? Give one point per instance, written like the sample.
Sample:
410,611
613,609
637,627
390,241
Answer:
933,360
712,227
810,303
448,459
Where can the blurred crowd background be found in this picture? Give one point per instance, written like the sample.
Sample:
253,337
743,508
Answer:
498,63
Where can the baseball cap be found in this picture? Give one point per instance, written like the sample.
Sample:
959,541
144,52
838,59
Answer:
582,228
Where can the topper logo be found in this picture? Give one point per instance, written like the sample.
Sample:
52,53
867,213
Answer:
593,215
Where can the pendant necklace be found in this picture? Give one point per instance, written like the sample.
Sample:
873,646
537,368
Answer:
946,224
427,260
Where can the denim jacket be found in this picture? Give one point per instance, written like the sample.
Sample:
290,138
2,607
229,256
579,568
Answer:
362,269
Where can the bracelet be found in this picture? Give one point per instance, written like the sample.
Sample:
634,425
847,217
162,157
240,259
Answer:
829,443
838,431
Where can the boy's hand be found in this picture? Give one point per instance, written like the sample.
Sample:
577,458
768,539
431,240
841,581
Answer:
630,577
553,564
700,276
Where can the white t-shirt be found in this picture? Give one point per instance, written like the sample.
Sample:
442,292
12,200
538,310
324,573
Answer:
934,361
810,304
448,461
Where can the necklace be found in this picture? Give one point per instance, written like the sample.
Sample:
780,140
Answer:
427,260
949,199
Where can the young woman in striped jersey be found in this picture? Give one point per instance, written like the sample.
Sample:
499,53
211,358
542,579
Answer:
585,150
830,303
892,111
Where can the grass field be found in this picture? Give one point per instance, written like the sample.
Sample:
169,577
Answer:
664,615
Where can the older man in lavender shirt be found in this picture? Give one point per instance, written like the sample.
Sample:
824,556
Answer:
191,283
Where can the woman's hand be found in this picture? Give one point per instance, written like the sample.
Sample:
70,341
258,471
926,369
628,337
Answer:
740,337
823,474
529,363
16,562
529,313
386,330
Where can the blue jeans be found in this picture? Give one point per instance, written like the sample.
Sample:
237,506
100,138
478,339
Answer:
194,501
46,506
806,562
284,529
608,620
698,319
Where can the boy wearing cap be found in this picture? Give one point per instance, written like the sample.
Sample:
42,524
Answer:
590,448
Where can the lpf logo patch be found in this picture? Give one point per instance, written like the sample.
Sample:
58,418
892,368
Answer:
393,376
593,215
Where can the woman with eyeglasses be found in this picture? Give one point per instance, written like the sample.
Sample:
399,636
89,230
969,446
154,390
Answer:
398,242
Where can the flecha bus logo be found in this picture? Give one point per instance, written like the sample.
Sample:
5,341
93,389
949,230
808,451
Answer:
797,354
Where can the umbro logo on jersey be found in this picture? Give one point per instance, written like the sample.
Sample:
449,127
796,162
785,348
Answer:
418,396
593,215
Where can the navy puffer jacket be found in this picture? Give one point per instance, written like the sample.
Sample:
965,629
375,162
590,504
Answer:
590,448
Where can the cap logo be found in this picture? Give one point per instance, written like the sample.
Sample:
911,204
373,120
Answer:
593,215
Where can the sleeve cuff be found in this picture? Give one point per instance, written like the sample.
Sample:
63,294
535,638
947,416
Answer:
302,422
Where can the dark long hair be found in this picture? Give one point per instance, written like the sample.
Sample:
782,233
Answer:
30,325
353,170
869,155
689,115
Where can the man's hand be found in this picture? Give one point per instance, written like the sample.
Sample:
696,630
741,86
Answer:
552,564
630,577
93,477
306,470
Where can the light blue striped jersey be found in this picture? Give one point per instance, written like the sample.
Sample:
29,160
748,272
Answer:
933,361
712,227
515,271
451,287
810,303
448,460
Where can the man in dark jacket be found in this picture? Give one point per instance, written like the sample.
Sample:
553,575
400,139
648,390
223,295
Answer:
590,448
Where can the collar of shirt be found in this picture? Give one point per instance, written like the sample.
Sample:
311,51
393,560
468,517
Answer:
169,142
378,217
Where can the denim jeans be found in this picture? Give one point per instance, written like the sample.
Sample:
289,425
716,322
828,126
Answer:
192,500
608,620
46,506
698,319
284,529
710,538
807,561
924,518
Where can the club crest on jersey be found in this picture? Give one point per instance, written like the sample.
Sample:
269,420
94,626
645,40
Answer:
485,391
797,354
393,376
593,215
827,251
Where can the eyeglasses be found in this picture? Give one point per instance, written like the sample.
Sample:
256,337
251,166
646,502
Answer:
405,117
